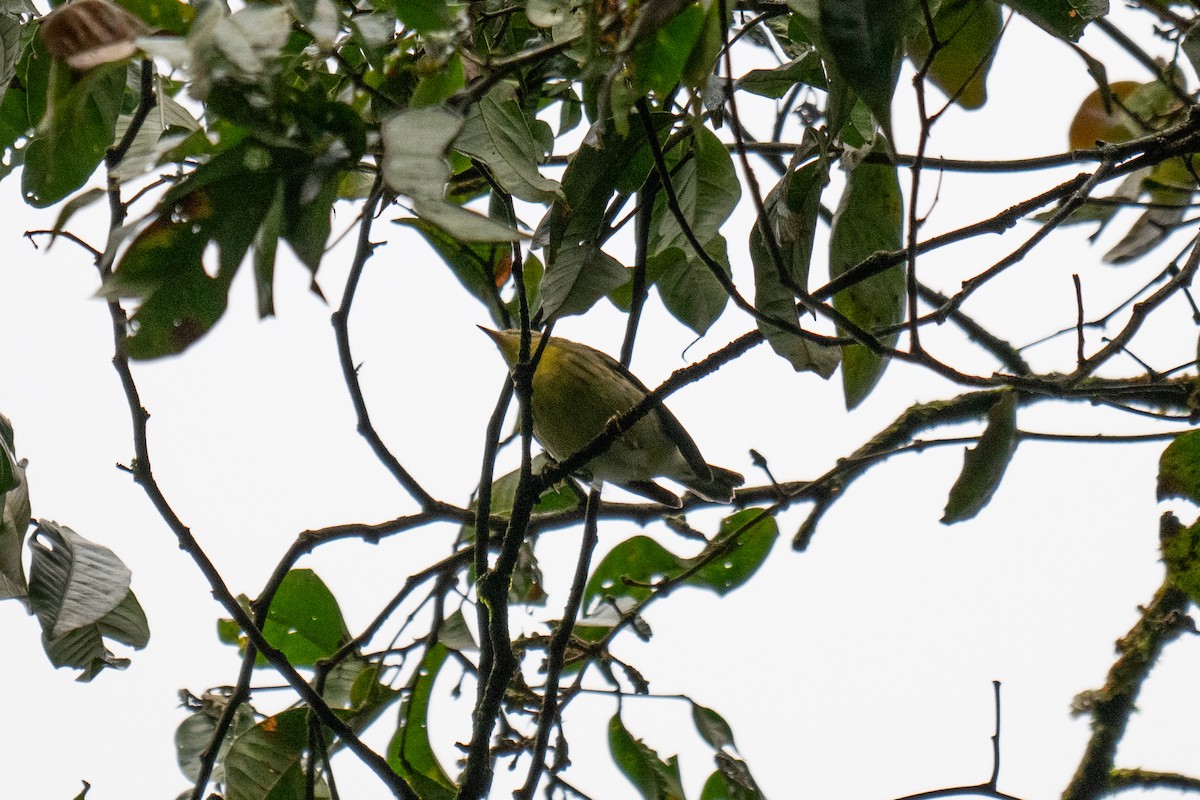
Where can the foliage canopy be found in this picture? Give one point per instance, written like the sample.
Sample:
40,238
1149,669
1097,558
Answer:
555,155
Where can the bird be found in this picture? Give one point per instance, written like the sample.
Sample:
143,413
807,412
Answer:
577,390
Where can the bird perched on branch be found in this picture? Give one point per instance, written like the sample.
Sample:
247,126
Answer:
577,390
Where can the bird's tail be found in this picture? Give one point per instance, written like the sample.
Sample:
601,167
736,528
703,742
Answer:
718,488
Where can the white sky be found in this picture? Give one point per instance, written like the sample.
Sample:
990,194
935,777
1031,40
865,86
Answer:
860,669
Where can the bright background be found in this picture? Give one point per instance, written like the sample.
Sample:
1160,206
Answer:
859,669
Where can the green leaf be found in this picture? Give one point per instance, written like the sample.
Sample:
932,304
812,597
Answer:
423,15
1181,553
777,82
731,782
1153,226
10,47
984,464
76,203
869,218
73,582
304,621
792,208
266,244
577,278
167,16
707,188
369,698
743,542
14,516
632,567
74,135
415,144
439,81
628,568
223,202
266,762
863,38
499,133
687,286
969,31
240,50
712,727
578,272
654,778
455,634
709,45
84,647
659,58
9,475
1179,468
1065,19
194,735
477,266
409,752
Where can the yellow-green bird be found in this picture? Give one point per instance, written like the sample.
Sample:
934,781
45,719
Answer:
577,390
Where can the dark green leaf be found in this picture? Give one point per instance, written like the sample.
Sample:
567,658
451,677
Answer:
10,47
688,287
266,244
498,133
305,622
792,208
984,464
707,188
1065,19
709,45
731,781
84,647
72,138
1153,226
72,582
712,727
14,516
423,15
969,32
777,82
10,478
369,698
409,752
266,762
868,219
654,778
577,278
1179,468
863,39
194,735
223,202
635,565
578,272
76,203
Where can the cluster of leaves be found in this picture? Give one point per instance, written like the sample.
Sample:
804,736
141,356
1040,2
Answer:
241,129
78,589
